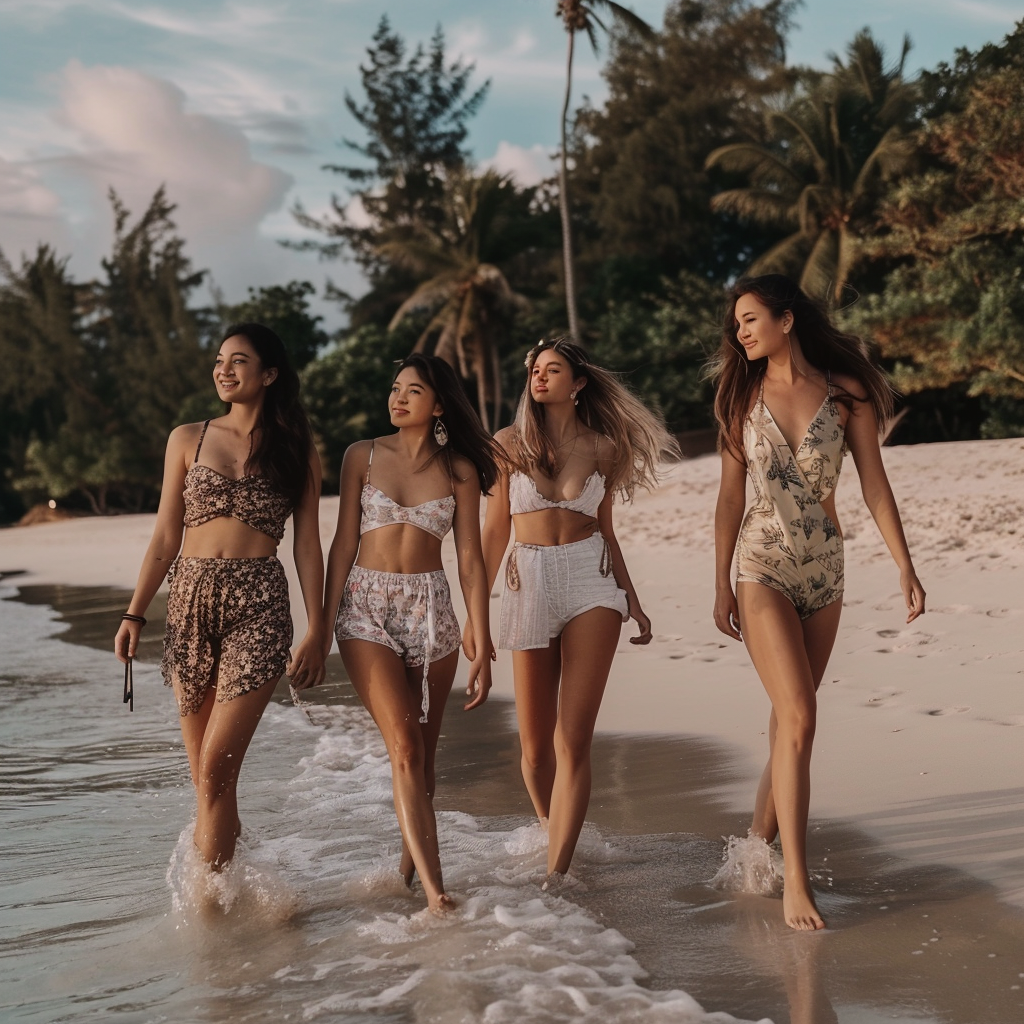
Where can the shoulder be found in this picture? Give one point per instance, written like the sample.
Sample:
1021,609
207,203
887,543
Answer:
604,447
505,436
357,456
185,435
850,385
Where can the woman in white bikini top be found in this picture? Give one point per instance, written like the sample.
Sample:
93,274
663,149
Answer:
579,437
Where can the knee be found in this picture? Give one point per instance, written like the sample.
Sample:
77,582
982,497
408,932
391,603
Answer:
796,725
216,776
573,746
537,756
407,753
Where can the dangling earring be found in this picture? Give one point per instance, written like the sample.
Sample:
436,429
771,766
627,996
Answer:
440,433
573,395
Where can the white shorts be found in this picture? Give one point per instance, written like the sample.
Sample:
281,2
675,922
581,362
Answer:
547,586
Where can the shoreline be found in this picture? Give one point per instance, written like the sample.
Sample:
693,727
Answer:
658,807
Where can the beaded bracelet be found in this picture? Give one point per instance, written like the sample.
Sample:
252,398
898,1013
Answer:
134,618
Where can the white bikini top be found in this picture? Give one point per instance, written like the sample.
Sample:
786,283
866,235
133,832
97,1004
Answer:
523,495
379,510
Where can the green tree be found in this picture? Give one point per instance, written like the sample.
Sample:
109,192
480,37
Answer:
581,16
48,374
143,355
842,136
949,315
662,346
285,309
643,193
415,120
462,285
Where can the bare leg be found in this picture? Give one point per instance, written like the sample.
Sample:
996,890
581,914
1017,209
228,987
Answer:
380,679
775,640
819,638
536,681
588,646
440,679
216,738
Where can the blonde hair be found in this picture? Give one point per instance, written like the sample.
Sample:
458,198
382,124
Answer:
605,405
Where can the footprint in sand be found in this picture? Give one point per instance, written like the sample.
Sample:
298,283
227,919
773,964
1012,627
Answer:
948,711
888,633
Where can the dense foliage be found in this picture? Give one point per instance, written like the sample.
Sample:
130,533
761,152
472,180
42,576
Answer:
900,199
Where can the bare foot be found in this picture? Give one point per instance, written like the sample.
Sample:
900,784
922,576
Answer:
444,905
798,908
543,822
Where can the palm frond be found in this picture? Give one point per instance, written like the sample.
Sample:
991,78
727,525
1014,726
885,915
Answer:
755,204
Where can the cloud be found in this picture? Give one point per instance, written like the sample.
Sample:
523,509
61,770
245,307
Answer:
529,166
30,212
136,135
997,13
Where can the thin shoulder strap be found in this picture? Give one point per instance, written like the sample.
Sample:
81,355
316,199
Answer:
366,480
200,445
828,382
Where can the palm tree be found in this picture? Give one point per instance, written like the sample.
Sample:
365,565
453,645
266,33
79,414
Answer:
580,16
469,296
843,135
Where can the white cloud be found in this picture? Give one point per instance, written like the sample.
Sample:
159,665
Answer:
529,166
135,135
30,212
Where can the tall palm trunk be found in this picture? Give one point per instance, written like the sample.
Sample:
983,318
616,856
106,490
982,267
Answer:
563,203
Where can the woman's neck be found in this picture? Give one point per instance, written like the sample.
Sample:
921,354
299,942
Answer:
561,424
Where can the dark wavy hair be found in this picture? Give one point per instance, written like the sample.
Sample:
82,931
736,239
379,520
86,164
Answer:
824,346
466,435
284,439
605,405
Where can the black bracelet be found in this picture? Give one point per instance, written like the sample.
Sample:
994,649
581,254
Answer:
134,618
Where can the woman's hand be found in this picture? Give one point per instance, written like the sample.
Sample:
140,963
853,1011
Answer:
727,613
469,640
478,683
645,636
306,668
913,593
126,642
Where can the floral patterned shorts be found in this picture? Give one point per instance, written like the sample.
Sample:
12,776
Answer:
409,612
229,625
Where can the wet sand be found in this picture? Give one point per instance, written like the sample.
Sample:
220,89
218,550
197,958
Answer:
906,942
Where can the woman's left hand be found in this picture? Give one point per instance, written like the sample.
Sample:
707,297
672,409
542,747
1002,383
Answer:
306,668
645,636
913,593
478,685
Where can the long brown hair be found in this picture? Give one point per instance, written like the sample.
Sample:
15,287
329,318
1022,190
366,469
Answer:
284,439
605,405
824,346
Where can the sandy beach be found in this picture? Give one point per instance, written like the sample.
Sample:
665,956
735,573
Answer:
918,777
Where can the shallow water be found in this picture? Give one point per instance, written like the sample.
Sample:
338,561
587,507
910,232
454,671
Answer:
106,916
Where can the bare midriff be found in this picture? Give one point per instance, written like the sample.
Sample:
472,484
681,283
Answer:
400,548
548,527
227,537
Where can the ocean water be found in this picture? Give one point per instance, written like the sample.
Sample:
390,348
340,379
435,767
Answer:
106,916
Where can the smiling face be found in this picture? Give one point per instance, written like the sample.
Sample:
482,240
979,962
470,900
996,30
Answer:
551,379
758,330
238,373
412,402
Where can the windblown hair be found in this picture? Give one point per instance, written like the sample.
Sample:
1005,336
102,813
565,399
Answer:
283,440
466,435
606,405
825,347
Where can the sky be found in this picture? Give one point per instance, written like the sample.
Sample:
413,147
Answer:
236,106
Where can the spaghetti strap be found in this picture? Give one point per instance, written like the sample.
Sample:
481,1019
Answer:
200,445
828,382
366,479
